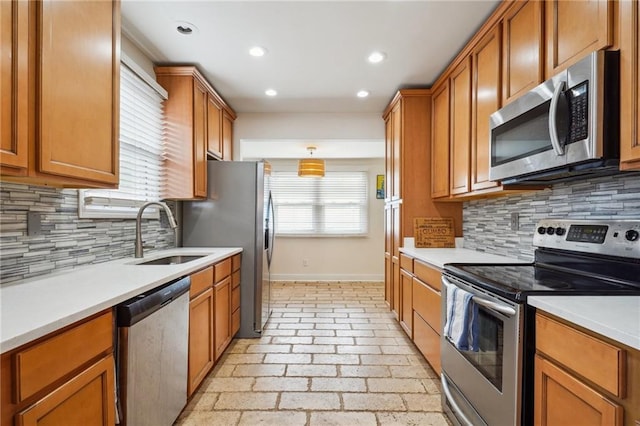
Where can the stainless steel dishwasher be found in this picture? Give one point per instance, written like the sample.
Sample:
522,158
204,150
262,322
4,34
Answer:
153,333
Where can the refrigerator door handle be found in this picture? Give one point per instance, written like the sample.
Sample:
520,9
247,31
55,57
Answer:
271,229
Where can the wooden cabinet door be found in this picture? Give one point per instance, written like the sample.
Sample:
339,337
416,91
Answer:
396,143
630,85
78,89
14,79
227,136
201,349
222,315
440,141
87,399
561,399
199,140
522,53
388,158
485,101
575,28
388,268
460,127
396,214
406,302
214,127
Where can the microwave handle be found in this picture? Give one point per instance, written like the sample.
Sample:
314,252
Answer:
553,112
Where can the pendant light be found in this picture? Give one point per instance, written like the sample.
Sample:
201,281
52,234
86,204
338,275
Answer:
311,166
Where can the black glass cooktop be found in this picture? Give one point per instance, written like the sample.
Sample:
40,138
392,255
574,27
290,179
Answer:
516,281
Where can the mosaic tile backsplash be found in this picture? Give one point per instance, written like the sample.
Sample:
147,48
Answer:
66,241
486,223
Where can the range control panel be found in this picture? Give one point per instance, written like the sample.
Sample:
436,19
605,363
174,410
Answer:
612,238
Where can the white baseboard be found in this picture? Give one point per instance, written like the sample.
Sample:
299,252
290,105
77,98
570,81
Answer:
328,277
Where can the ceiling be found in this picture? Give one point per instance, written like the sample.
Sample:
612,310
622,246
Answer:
317,50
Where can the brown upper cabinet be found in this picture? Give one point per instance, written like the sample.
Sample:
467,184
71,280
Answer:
630,85
522,53
460,86
575,28
440,141
485,101
197,118
62,105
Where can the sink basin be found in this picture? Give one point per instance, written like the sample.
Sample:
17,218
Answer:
171,260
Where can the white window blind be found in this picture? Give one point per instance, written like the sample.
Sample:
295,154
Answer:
333,205
141,152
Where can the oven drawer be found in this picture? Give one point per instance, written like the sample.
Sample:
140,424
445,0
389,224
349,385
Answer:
427,340
427,303
427,274
599,361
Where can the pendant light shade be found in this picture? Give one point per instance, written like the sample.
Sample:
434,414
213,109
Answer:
312,167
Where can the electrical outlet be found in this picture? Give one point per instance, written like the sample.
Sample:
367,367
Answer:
515,221
305,262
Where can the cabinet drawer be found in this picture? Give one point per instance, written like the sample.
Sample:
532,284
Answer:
235,262
427,274
223,270
599,361
427,340
200,281
235,279
42,364
406,262
235,298
426,302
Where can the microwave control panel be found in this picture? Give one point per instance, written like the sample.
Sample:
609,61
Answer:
578,103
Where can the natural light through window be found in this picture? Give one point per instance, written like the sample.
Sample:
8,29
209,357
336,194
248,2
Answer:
335,205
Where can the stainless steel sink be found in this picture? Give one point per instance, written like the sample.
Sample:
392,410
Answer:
171,260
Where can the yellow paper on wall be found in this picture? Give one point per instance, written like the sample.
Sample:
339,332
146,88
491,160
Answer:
432,232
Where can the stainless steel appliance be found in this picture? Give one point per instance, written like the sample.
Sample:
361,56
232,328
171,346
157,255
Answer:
153,339
567,127
494,385
238,212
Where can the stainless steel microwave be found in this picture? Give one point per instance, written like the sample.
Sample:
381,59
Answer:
565,128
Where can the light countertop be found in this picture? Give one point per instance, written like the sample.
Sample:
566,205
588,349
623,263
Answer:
439,256
32,308
616,317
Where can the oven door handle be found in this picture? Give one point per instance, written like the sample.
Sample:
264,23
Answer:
494,306
452,403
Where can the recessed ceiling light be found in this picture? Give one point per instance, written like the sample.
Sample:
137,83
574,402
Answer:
257,51
186,28
270,92
363,94
376,57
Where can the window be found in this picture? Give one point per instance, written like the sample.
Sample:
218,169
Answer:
333,205
141,126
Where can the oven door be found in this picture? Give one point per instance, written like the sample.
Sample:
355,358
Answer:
486,383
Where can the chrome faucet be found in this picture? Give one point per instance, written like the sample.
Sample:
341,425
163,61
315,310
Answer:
172,223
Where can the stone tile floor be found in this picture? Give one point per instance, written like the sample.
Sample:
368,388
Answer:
331,354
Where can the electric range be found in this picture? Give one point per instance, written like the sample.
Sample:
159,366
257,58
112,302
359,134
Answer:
494,385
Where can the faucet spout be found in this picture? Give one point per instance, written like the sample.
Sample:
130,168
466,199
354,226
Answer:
172,223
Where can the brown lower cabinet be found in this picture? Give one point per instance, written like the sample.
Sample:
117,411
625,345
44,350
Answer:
211,316
583,378
420,313
66,377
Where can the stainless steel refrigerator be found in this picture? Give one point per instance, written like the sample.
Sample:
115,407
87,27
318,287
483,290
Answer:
238,212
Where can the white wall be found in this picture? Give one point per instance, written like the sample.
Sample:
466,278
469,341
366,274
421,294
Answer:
329,258
335,258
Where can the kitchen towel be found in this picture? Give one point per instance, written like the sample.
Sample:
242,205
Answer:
461,327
